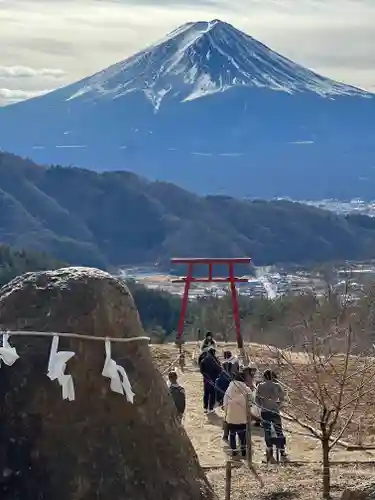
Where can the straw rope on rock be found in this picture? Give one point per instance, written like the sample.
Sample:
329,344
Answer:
100,445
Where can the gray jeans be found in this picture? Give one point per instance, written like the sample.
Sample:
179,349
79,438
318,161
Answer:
270,418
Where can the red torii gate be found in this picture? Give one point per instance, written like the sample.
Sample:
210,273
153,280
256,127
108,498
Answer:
231,279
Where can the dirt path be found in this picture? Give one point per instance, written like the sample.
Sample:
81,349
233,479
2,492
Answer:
290,482
205,431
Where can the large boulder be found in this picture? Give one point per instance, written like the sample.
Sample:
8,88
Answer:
99,446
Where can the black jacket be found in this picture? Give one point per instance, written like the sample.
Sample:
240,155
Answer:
178,394
210,366
221,385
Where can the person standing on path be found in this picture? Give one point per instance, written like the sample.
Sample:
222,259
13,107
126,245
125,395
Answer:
249,373
236,408
269,396
208,342
221,385
233,360
210,369
178,394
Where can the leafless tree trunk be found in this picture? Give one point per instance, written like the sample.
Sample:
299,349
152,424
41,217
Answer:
326,468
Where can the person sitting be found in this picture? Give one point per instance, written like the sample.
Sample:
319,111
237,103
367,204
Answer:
178,394
236,404
269,396
208,342
210,369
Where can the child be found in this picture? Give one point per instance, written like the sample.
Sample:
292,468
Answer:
178,394
235,405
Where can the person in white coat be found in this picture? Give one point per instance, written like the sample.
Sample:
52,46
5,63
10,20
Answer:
237,399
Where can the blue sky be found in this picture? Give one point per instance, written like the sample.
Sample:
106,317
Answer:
48,43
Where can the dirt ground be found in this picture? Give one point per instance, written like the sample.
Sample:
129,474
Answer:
302,480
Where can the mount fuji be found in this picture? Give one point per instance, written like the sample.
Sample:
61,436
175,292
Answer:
213,110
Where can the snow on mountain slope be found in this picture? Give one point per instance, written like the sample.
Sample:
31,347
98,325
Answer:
213,110
203,58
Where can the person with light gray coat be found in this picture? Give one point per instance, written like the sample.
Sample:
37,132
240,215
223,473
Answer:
269,396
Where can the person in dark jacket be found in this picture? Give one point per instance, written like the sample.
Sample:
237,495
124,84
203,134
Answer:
222,382
221,385
210,368
178,394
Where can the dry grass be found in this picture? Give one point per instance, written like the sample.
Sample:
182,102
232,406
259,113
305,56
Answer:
281,482
288,482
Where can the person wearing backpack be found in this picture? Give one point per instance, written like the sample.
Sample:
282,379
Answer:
178,394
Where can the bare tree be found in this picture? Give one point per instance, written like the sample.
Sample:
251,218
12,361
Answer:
329,380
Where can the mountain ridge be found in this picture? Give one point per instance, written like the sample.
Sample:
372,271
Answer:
190,50
117,218
211,109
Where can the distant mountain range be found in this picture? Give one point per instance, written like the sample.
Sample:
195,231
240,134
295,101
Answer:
210,109
117,218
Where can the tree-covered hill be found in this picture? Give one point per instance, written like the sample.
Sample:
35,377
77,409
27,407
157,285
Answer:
14,262
115,218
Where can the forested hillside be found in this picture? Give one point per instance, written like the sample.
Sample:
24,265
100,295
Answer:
116,218
14,262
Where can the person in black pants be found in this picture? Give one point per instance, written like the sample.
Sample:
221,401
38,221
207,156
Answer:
236,401
210,368
240,431
272,418
269,396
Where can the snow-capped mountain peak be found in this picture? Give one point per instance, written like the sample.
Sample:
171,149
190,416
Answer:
202,58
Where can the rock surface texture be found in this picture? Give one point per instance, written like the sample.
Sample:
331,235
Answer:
98,446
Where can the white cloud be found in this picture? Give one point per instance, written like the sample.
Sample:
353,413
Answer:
8,96
333,37
27,72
